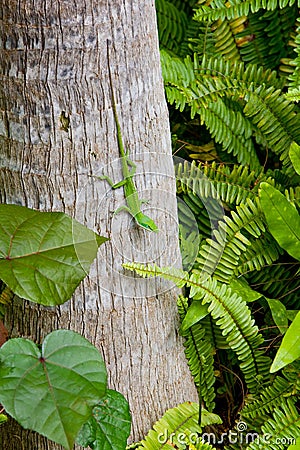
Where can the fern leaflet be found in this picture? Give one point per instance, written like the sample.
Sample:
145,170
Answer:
229,310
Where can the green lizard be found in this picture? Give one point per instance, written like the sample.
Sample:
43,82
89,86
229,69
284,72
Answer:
128,170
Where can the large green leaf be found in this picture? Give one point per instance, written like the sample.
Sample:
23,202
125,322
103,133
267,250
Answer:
44,256
195,313
295,156
289,349
242,288
279,314
291,314
282,218
52,391
110,425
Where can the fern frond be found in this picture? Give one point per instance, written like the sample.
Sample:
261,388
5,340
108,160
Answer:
179,277
221,255
269,398
231,129
189,211
283,427
272,118
233,317
175,424
292,374
278,281
201,39
284,181
295,77
189,241
184,89
171,23
231,313
265,38
199,354
214,334
181,5
250,75
230,10
275,118
175,70
225,44
293,95
273,433
230,250
180,77
230,185
260,253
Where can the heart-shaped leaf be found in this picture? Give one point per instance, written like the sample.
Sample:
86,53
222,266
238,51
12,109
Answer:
44,256
110,425
52,391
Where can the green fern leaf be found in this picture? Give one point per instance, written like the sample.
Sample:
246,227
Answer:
261,252
171,24
230,10
231,313
293,95
269,398
294,90
177,425
225,43
278,281
230,185
232,130
283,427
199,353
271,117
274,116
222,254
264,39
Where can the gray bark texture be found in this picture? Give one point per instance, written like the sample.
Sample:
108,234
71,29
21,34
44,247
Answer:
54,59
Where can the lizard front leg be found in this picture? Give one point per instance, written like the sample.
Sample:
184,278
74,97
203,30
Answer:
111,183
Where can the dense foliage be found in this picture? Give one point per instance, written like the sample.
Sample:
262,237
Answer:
231,73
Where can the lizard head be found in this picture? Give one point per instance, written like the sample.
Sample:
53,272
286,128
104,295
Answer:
145,222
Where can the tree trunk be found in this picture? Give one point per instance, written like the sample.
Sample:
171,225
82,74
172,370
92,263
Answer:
54,60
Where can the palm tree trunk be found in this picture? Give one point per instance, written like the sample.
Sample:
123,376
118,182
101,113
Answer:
57,132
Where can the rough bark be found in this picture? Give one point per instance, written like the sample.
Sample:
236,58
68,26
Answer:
53,59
